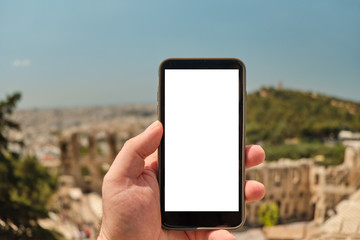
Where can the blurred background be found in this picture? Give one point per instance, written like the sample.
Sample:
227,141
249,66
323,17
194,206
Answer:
77,79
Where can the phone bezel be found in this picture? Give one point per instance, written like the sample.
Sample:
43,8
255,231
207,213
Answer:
203,220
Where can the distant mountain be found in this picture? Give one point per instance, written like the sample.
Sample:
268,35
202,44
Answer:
274,116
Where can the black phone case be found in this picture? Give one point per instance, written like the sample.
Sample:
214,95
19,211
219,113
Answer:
193,220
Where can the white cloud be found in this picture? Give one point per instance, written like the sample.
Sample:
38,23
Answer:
21,62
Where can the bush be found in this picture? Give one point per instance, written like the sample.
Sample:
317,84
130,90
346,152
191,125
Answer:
333,155
268,214
25,186
85,171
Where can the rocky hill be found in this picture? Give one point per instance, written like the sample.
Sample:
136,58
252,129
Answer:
276,116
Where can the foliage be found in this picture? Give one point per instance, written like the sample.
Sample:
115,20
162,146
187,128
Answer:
85,171
35,184
100,151
276,115
25,186
268,214
333,155
84,151
6,109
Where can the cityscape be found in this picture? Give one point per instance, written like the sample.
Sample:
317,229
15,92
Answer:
79,144
79,78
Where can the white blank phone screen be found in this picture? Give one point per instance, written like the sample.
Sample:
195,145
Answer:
201,140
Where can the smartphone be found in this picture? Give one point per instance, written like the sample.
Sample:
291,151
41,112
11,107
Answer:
201,104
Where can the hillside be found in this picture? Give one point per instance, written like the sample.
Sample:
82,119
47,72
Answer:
275,116
295,124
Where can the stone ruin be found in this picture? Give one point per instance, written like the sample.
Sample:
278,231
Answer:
303,190
86,154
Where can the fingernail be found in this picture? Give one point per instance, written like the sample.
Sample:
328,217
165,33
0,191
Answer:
153,125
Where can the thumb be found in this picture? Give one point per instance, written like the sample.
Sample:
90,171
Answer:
220,234
130,160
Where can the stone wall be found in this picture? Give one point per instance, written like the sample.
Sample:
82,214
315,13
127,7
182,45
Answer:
304,191
287,184
86,155
331,185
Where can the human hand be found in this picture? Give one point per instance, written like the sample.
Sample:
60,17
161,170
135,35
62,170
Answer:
131,197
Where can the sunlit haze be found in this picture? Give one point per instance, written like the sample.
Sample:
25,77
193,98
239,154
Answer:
85,53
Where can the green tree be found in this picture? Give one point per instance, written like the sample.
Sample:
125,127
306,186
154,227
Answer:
85,171
268,214
276,115
25,185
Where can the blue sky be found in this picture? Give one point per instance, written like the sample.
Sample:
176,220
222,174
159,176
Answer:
84,53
